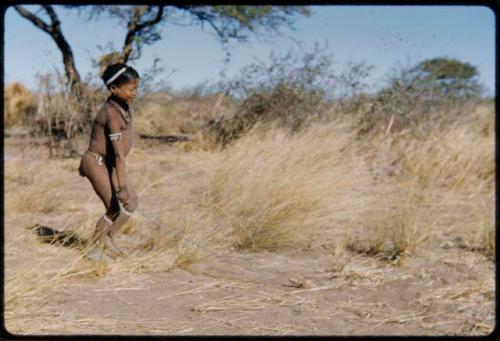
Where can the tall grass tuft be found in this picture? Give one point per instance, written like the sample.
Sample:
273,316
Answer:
19,105
275,190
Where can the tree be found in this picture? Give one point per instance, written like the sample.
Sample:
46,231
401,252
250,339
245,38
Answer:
141,23
448,78
142,28
54,30
430,87
228,22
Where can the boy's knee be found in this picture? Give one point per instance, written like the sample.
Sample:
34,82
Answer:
131,207
133,203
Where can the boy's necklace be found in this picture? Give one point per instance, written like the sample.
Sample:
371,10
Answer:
126,116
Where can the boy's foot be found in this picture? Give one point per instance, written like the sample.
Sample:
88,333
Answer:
112,248
96,252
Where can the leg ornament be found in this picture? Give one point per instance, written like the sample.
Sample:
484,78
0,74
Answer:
98,239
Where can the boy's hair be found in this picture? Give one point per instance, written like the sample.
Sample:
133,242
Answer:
123,77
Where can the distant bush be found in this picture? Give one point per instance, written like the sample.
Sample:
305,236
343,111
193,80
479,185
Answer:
448,78
19,105
185,112
431,87
61,116
290,90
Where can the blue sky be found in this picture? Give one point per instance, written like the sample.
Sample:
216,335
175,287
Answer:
382,36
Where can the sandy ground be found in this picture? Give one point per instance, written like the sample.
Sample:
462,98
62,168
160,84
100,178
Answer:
449,291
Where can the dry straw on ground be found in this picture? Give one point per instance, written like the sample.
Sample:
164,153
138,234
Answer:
398,195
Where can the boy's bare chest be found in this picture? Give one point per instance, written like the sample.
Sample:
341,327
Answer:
126,130
126,122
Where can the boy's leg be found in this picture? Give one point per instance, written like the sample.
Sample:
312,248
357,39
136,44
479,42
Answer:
98,240
125,213
99,177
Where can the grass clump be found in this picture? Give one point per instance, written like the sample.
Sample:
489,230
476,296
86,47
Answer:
20,105
274,190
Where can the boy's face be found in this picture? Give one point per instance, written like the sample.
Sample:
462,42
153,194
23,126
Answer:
126,92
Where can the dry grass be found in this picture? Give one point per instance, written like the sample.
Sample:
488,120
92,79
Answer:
160,114
392,226
19,105
433,179
394,194
272,190
41,191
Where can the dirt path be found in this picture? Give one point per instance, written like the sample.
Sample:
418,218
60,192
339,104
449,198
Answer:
366,297
292,292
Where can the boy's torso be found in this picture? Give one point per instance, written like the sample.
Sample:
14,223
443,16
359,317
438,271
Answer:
99,139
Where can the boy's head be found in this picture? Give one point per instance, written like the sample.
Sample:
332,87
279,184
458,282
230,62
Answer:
122,81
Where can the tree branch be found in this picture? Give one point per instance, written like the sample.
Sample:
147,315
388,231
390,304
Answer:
33,18
54,30
134,29
52,15
210,19
152,22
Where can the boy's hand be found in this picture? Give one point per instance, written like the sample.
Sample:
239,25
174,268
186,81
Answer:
123,195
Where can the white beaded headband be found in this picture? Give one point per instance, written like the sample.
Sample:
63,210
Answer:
116,75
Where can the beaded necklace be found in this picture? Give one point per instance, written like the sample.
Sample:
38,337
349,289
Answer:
126,116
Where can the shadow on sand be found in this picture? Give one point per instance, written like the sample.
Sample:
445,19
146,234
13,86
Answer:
52,236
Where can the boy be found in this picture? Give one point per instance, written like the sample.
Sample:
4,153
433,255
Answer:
104,163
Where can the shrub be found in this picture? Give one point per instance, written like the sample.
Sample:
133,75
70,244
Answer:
291,90
63,116
19,105
431,88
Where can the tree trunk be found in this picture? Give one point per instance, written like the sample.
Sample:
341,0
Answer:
135,27
127,46
49,127
68,60
54,30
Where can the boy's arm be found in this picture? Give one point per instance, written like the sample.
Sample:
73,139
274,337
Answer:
116,137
